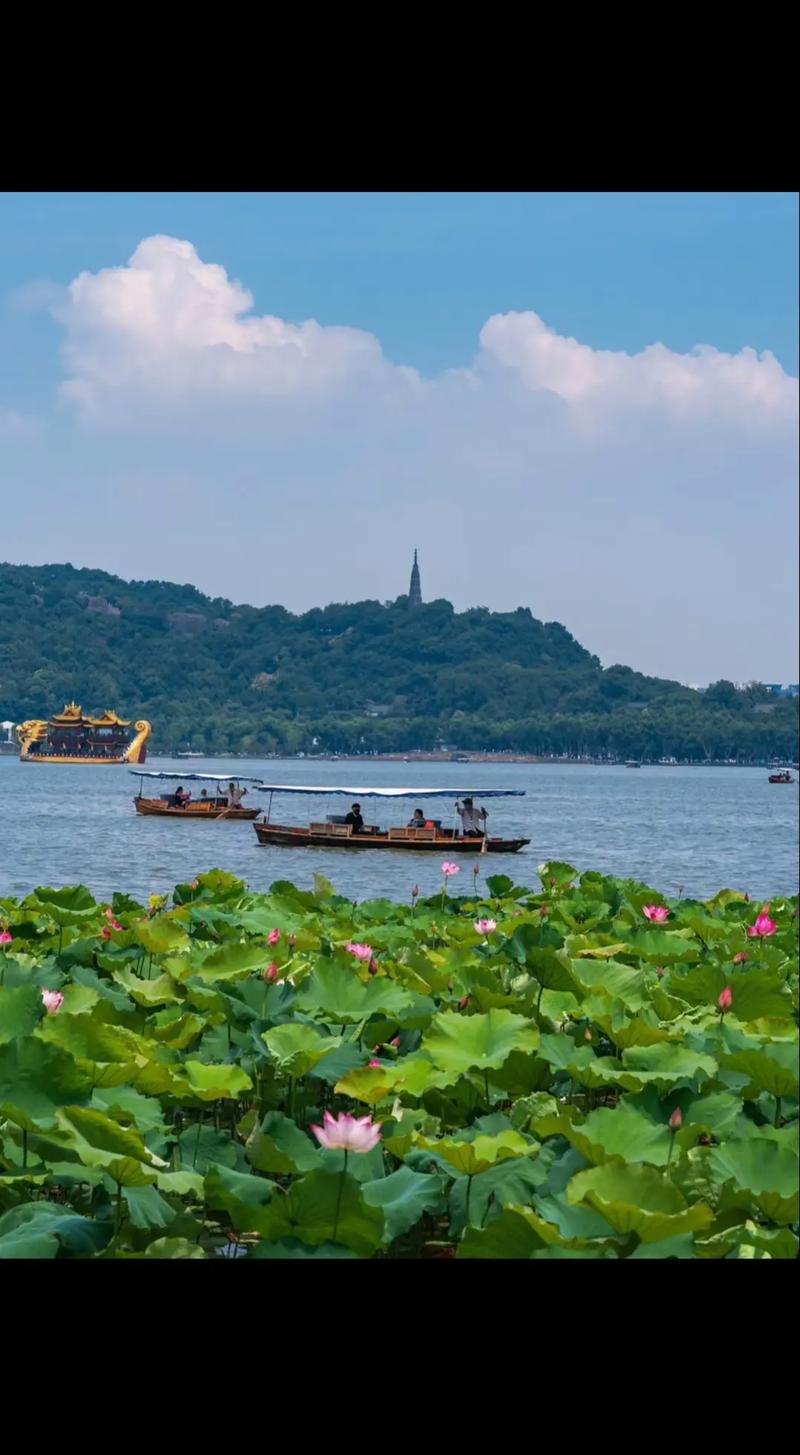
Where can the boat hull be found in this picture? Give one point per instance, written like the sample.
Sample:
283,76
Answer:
156,808
285,836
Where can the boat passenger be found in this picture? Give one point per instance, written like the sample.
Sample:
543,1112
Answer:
354,818
235,795
417,821
473,820
181,798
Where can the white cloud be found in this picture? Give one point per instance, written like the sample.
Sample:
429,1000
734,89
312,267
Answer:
170,327
169,330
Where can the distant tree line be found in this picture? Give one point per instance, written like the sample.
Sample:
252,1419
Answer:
362,677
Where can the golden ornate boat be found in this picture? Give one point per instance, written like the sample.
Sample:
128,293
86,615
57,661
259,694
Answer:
73,736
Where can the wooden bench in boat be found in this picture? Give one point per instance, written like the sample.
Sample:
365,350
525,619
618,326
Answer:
333,830
412,833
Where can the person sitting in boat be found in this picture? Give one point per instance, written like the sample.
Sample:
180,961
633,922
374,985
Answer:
354,818
417,820
235,795
473,820
181,798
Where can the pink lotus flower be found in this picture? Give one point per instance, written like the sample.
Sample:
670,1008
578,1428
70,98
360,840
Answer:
6,937
273,937
195,884
449,868
105,933
361,952
485,926
375,1063
462,1004
114,923
725,999
740,958
763,925
661,972
655,912
414,891
52,1001
676,1120
293,940
346,1133
395,1041
271,973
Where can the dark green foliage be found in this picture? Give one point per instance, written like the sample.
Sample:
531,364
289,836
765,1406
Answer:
363,677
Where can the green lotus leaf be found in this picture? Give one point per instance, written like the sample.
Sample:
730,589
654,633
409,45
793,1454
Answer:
308,1211
636,1032
215,1083
293,1248
626,1133
180,1032
173,1248
336,990
239,1194
20,1011
638,1199
681,1245
778,1242
279,1146
458,1043
159,991
90,1038
558,1221
665,1066
232,962
98,1139
515,1181
84,975
771,1068
181,1182
38,1230
612,979
147,1209
124,1104
36,1079
662,947
75,897
593,947
764,1172
476,1156
514,1234
404,1196
157,936
200,1147
756,993
297,1047
124,1172
557,875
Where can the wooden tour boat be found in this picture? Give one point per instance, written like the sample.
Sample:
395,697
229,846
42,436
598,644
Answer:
72,736
783,777
210,805
335,833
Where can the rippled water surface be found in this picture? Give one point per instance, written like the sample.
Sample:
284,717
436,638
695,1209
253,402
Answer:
695,829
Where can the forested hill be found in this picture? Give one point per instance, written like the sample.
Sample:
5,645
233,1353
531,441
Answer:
366,676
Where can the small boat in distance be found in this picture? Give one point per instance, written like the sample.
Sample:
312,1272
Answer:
783,777
73,736
633,764
335,833
210,804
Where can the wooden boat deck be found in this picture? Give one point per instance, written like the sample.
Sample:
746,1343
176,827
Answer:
209,811
340,836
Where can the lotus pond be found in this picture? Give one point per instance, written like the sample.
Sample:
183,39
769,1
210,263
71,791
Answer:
580,1070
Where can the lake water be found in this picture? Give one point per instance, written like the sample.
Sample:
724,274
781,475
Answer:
695,829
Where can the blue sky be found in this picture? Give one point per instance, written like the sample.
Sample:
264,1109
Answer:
547,461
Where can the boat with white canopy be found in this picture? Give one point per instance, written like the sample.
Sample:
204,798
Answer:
212,802
428,835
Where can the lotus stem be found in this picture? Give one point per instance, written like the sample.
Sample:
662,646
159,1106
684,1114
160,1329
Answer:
25,1145
197,1139
777,1121
342,1176
469,1190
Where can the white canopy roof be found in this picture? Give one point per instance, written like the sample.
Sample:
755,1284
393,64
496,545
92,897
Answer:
355,794
196,777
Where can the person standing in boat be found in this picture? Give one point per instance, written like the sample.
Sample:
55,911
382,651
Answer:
473,820
354,818
235,795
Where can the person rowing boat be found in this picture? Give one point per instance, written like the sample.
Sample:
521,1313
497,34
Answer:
473,820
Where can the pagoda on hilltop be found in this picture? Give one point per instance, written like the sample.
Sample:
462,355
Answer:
415,589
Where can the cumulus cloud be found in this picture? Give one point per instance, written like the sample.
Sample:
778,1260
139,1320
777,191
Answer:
170,327
171,330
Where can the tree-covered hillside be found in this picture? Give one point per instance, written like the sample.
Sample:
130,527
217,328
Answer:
360,677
